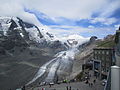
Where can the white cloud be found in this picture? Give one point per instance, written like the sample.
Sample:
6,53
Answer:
72,30
117,26
73,9
90,26
106,21
86,32
15,9
109,8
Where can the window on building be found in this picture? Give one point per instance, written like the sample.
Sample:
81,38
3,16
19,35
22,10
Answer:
95,52
95,57
98,52
103,52
102,58
107,52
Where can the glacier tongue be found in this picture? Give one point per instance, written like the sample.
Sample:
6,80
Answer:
57,68
52,71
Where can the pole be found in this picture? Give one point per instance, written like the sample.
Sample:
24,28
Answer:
100,70
115,78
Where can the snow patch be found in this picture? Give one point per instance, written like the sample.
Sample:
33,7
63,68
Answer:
21,35
5,24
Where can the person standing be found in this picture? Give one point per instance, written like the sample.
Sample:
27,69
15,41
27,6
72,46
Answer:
67,88
91,84
94,81
43,88
70,88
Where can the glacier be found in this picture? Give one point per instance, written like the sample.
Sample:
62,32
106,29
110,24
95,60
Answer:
58,68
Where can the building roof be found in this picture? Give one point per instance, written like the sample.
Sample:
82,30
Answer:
103,48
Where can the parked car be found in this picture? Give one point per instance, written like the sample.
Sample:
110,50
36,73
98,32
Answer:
59,82
42,83
52,83
104,81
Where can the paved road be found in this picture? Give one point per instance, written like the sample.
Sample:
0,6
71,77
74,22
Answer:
74,86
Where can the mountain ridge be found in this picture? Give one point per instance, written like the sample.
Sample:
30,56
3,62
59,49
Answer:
24,47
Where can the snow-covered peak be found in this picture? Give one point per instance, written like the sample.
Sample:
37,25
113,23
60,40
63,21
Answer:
48,36
16,21
34,34
38,34
4,18
71,40
5,22
74,40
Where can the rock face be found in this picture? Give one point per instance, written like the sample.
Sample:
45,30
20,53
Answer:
84,55
93,38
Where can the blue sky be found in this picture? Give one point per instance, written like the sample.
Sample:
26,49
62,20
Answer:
65,17
101,26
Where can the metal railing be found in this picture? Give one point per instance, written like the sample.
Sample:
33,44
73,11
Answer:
108,84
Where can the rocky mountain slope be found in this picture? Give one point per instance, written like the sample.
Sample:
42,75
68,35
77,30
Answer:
23,49
84,55
86,52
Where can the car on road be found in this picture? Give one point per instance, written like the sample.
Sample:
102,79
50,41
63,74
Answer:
51,83
59,82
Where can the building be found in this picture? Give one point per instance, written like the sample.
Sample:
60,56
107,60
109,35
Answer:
102,60
117,49
113,80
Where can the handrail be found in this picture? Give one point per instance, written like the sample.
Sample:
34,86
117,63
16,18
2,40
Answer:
108,84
